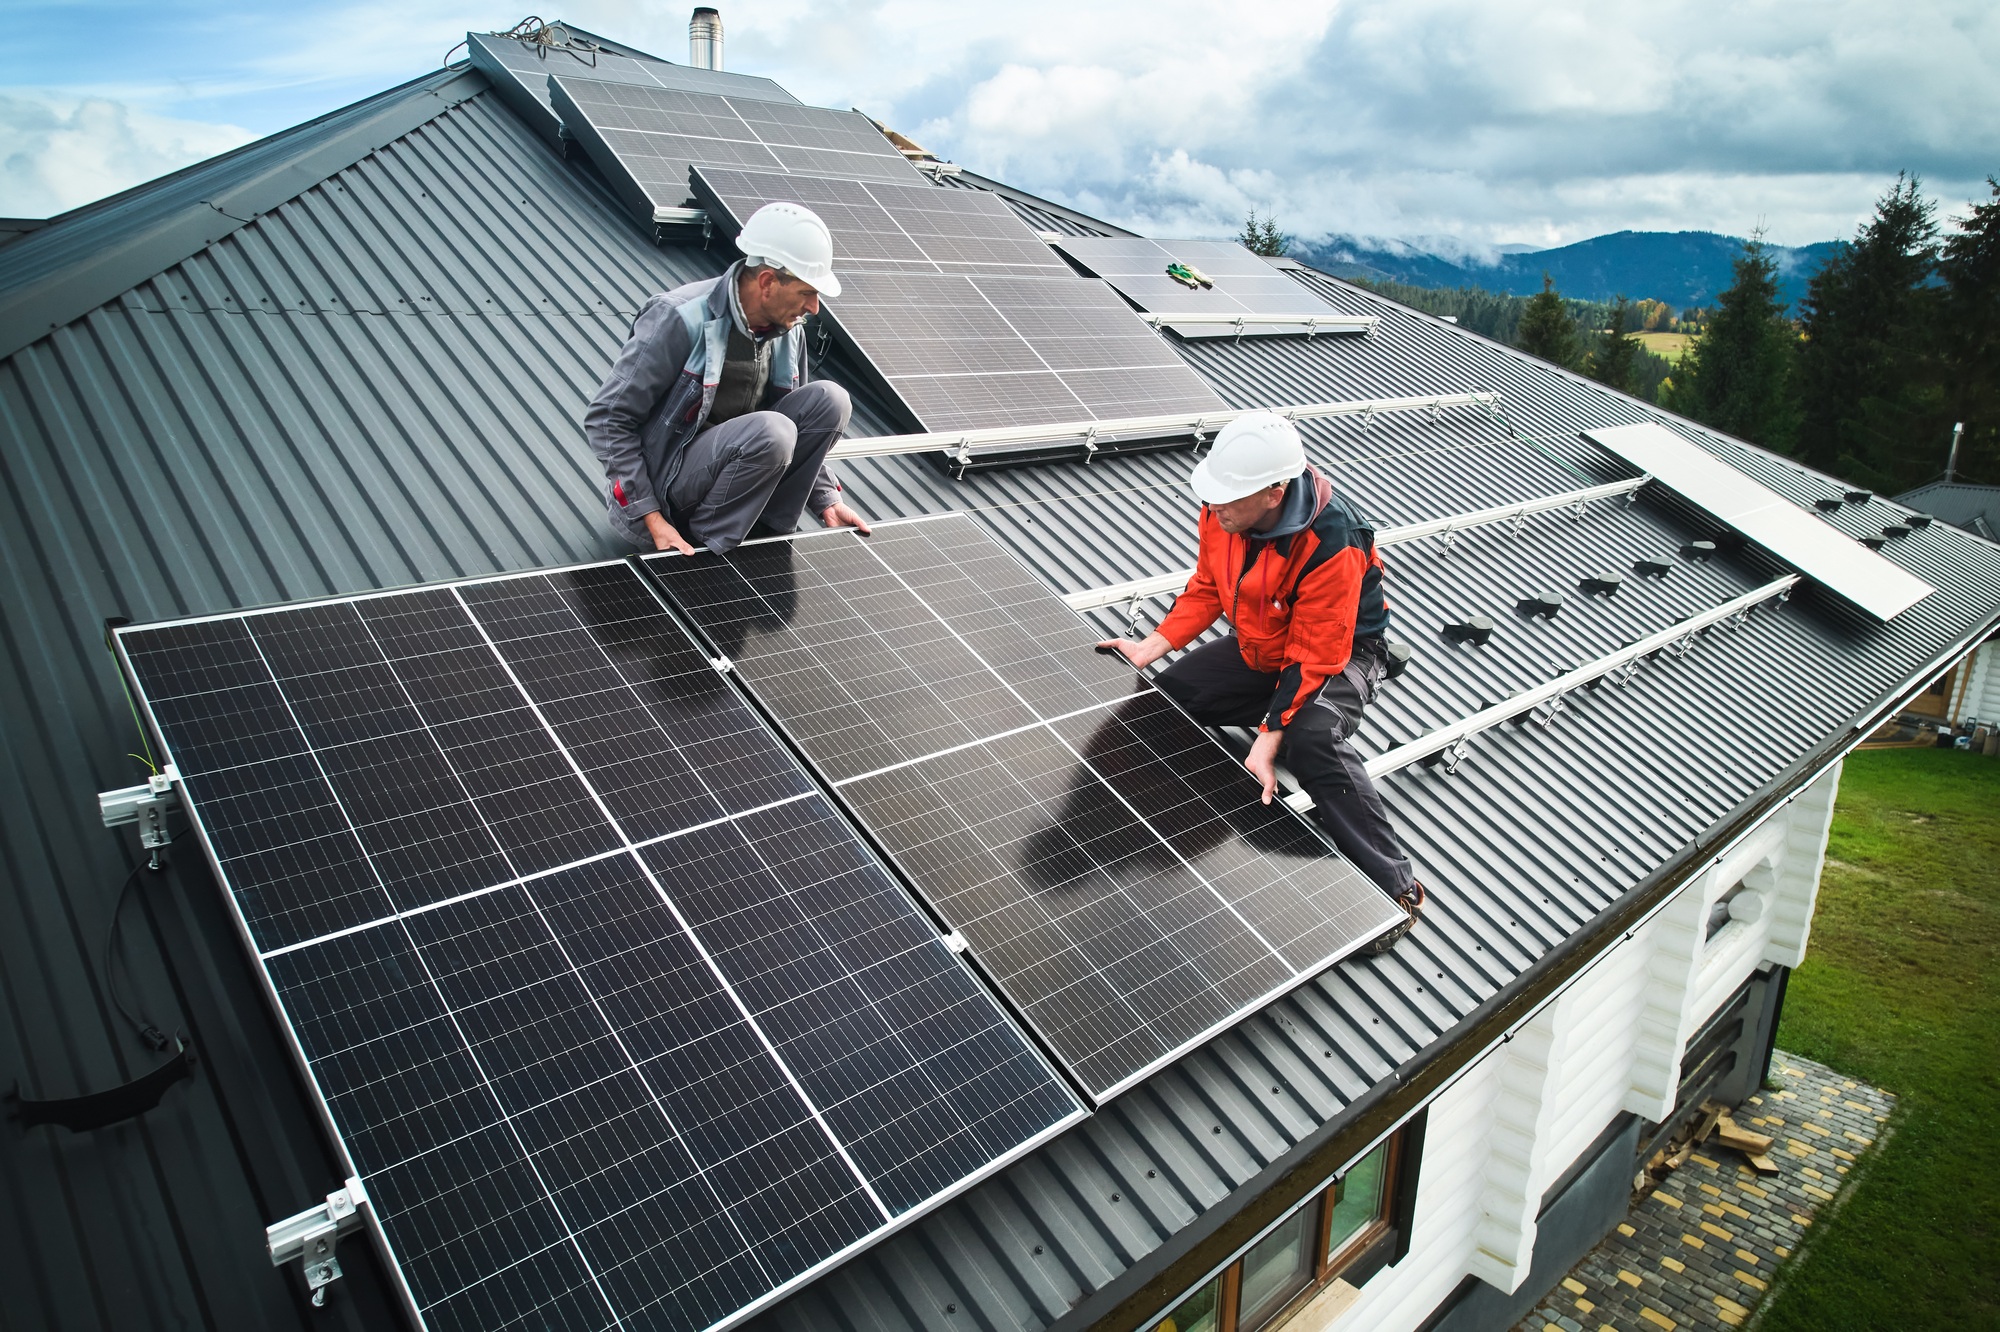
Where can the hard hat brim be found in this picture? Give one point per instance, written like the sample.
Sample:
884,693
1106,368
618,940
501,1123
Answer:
826,286
1212,489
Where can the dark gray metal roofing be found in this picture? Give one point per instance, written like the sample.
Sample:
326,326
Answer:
1960,505
380,381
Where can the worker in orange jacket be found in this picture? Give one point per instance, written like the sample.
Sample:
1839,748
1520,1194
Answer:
1293,568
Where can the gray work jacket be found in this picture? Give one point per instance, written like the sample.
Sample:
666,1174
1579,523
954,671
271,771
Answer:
660,390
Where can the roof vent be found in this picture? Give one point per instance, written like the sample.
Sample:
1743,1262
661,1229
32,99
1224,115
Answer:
1652,568
1918,520
705,38
1476,631
1827,503
1606,584
1545,605
1860,496
1894,530
1399,658
1699,550
1874,542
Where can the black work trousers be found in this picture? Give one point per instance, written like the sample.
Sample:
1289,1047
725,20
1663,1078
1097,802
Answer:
1218,688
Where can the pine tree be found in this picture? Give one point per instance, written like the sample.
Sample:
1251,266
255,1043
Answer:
1868,372
1613,361
1547,330
1970,267
1261,236
1736,374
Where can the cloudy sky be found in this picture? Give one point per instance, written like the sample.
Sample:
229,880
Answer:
1473,123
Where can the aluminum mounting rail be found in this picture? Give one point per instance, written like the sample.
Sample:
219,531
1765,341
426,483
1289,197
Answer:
1313,323
1198,424
1574,500
1450,741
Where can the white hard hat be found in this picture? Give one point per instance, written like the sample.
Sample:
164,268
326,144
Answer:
1255,450
791,236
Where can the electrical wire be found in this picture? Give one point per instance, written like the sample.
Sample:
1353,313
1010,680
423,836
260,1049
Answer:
149,1035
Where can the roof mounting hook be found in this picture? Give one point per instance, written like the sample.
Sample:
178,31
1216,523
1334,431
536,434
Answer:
1367,420
1576,510
1555,707
1089,443
1516,524
1450,535
1132,616
1456,755
1437,411
707,229
1239,328
1632,495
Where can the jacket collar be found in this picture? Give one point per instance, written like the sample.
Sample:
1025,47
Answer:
1305,499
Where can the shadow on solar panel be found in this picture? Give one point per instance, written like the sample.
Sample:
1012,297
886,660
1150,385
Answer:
1108,864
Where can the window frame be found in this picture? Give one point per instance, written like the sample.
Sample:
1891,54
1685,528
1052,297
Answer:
1375,1246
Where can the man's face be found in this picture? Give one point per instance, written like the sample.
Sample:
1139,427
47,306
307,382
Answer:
772,300
1258,509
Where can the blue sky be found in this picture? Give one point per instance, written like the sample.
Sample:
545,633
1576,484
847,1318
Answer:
1474,123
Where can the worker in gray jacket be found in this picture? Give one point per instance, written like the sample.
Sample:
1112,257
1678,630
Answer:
707,427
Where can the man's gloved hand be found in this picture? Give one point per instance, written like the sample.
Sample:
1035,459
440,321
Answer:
664,535
839,515
1262,761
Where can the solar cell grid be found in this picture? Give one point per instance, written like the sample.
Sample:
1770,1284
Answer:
611,1011
1108,864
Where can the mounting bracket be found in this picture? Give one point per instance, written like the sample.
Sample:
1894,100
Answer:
146,805
308,1238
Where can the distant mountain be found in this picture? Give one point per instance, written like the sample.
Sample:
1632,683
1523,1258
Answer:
1682,268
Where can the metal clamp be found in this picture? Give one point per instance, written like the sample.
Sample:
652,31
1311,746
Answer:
1456,755
146,805
956,942
309,1237
722,665
1555,707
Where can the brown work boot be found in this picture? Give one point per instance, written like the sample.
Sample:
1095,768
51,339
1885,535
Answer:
1412,901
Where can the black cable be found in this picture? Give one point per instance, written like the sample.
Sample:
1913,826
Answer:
148,1034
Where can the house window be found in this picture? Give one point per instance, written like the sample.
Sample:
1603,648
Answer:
1347,1231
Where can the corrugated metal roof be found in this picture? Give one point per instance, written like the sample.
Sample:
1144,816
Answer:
1960,505
380,382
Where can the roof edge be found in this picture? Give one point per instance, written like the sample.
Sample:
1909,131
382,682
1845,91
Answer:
1150,1284
68,292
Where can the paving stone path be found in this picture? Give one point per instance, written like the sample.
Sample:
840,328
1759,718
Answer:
1701,1250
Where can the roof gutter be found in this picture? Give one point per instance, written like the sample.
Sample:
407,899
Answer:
70,291
1152,1284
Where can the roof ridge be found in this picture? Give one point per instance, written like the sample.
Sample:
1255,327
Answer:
63,271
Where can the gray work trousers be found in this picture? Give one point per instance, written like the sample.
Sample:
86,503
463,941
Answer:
760,467
1217,687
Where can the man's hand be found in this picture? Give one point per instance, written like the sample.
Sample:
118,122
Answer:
1262,761
1141,654
839,515
663,534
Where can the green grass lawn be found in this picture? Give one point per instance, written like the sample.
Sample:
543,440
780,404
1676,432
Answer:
1901,988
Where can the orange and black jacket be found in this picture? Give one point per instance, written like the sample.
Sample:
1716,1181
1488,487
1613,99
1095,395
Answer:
1297,596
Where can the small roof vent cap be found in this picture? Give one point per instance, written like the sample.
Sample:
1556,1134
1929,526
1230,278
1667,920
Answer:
1545,604
1476,630
1604,584
1699,550
1652,568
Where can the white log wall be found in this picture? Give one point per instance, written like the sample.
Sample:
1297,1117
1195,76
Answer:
1612,1041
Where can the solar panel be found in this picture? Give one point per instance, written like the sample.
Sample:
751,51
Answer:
1796,536
969,351
902,226
1243,283
611,1010
520,72
645,139
1109,865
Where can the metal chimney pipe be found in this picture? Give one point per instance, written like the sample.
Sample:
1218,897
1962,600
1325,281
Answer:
1951,461
705,38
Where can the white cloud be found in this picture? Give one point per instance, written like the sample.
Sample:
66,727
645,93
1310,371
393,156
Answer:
63,151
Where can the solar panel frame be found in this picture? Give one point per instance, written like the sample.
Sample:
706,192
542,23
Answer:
310,645
646,139
970,351
1797,536
1019,790
1135,266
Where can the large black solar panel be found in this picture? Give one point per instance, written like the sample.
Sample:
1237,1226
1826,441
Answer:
1243,283
1108,864
645,139
520,72
985,350
913,226
613,1013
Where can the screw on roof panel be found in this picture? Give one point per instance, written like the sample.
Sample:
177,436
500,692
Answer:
1827,503
1604,584
1894,530
1544,604
1699,550
1860,496
1477,631
1652,568
1399,658
1919,520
